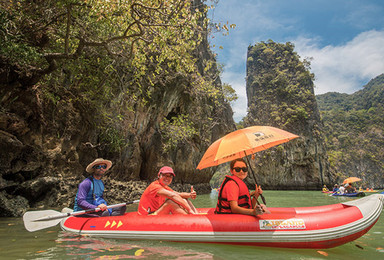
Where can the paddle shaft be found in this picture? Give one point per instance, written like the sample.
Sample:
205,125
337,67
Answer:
254,177
64,215
37,220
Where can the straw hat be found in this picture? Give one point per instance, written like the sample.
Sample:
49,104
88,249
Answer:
98,161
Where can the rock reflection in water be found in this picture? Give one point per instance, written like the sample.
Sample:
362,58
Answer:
99,248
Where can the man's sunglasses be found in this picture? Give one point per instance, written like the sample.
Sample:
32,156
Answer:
103,166
238,169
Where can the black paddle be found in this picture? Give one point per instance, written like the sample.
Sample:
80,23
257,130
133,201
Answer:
41,219
254,177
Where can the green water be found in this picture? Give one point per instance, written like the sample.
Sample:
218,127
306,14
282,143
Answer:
52,243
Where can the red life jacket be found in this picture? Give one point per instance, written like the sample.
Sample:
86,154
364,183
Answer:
243,200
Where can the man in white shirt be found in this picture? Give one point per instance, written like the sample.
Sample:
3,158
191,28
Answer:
342,189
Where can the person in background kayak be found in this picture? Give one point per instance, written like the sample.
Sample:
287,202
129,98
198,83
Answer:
234,196
349,188
91,190
325,189
335,188
159,199
341,189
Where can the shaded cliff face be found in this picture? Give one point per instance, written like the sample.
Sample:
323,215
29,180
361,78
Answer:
52,130
280,93
146,153
174,96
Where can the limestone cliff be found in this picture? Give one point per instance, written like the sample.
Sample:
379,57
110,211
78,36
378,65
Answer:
280,93
52,127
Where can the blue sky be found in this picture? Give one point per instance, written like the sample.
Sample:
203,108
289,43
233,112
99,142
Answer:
345,38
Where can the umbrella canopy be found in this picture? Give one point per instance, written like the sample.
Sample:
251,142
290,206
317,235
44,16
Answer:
351,179
243,142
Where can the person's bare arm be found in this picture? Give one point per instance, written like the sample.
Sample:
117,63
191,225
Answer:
188,195
258,210
175,197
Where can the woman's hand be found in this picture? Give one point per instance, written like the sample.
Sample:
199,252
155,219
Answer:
257,191
193,194
258,210
261,209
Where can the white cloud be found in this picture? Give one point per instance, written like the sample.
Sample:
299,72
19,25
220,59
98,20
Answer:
340,66
234,74
345,68
237,81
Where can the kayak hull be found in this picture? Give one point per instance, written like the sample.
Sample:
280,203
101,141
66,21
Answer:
355,194
306,227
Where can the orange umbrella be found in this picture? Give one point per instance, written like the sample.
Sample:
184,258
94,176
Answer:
243,142
351,179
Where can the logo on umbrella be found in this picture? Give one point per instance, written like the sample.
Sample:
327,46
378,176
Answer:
261,136
258,134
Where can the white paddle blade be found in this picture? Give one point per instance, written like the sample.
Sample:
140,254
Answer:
32,223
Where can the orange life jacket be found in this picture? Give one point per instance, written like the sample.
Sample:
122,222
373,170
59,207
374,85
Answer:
243,200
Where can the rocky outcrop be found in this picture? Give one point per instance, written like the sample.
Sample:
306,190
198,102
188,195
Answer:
280,93
49,134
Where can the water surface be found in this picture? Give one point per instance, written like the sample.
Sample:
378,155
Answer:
52,243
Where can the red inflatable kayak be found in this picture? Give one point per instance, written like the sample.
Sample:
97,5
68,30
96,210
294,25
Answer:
305,227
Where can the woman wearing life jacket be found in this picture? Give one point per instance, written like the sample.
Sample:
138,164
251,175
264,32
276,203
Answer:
234,196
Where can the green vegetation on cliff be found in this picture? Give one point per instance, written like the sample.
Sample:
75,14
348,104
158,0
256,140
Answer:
112,59
133,81
354,131
280,93
280,85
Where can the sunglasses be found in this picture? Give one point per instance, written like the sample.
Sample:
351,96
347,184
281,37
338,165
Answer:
238,169
100,166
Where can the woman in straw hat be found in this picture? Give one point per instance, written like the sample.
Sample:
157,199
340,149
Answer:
90,192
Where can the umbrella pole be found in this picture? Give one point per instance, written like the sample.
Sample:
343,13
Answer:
254,177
